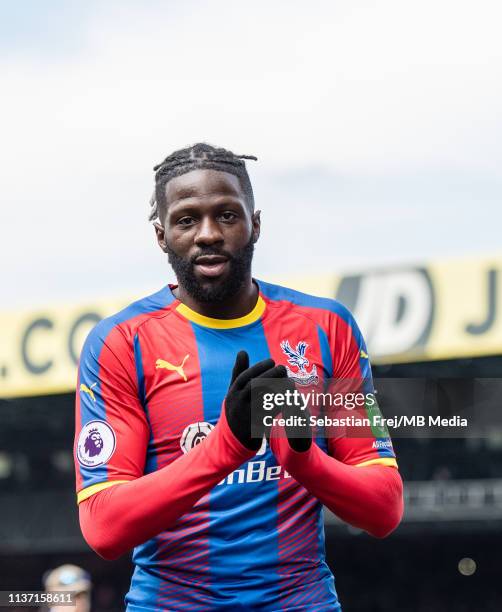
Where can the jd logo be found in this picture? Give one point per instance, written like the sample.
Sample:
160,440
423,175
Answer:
394,308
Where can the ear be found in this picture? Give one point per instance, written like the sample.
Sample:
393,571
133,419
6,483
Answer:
256,221
161,236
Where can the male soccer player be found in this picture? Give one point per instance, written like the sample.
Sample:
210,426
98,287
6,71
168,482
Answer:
167,462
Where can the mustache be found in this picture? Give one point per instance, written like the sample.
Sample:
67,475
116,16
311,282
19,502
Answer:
211,251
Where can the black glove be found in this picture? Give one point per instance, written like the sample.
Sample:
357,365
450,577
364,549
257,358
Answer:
299,433
243,414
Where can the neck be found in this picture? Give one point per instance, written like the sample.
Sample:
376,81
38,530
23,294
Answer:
239,305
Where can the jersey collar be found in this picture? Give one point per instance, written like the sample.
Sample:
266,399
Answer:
200,319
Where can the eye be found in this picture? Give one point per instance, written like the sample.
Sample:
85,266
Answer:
185,221
228,216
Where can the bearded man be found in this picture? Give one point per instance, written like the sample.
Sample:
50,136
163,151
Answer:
220,514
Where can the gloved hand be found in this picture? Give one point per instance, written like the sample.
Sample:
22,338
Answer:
299,432
244,416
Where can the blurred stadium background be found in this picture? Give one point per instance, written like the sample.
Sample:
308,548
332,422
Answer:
379,136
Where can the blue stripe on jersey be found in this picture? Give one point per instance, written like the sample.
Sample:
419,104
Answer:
89,367
243,541
151,455
144,583
327,363
327,359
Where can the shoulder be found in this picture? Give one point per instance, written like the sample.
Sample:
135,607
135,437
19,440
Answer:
278,293
333,317
120,328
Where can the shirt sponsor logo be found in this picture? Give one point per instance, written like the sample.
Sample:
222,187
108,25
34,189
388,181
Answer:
255,471
194,434
382,444
96,444
166,365
296,358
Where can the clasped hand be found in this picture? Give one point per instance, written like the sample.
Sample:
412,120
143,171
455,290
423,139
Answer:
244,406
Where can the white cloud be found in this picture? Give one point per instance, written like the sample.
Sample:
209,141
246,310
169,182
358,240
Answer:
362,90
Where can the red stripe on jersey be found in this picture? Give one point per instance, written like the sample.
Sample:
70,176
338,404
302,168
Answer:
78,427
167,346
296,508
123,409
347,365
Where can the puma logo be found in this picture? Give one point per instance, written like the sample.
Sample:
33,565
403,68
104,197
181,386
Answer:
89,390
161,363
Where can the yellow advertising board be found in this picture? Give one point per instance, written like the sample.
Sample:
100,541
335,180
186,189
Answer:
444,310
39,349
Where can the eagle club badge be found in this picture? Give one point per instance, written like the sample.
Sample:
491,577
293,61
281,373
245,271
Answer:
296,358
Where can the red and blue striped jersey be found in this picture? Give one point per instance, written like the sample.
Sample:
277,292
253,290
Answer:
152,380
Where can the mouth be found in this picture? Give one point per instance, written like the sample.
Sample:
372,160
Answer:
211,265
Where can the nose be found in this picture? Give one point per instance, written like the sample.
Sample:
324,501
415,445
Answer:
209,232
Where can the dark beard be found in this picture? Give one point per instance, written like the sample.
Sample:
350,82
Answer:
240,269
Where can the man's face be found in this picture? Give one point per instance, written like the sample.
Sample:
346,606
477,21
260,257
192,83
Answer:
208,232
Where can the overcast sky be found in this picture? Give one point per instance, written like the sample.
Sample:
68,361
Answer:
378,128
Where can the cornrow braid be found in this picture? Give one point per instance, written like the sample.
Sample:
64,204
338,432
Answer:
198,156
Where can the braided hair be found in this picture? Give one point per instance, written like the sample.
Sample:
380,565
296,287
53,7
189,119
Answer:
198,156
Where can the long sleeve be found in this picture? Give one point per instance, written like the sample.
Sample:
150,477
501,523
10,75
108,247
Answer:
358,478
369,497
119,505
117,518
